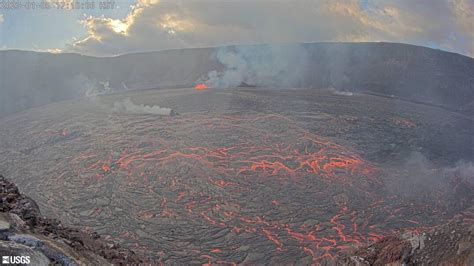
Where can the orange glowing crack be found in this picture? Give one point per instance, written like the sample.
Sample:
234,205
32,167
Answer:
272,237
225,166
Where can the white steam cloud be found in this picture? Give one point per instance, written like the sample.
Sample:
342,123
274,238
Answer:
464,170
89,88
92,90
127,106
422,176
263,65
340,92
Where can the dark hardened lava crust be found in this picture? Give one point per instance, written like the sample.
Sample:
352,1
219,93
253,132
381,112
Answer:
250,175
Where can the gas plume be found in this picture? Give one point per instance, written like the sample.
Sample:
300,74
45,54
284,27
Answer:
262,65
127,106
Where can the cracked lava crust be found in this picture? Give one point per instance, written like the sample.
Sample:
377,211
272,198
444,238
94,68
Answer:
247,175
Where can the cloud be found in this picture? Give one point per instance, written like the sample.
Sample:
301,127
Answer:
464,18
54,50
159,25
2,19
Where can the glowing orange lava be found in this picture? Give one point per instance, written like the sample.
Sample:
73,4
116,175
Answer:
254,178
201,86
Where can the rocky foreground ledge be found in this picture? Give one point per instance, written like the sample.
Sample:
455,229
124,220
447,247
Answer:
25,232
447,244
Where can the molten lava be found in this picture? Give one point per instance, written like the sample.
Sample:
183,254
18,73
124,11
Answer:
201,86
219,189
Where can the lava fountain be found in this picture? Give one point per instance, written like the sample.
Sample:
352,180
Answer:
201,86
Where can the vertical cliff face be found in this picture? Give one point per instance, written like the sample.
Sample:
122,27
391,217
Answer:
29,79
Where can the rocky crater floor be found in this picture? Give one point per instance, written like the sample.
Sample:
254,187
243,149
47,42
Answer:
249,175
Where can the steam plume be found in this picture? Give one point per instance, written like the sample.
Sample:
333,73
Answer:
127,106
262,65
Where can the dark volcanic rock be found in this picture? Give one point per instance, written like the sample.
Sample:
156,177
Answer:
25,232
415,73
448,244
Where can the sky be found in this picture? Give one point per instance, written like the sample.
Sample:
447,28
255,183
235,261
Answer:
151,25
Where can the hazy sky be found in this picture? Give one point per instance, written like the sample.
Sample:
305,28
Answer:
156,25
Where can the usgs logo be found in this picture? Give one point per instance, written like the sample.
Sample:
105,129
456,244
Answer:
15,259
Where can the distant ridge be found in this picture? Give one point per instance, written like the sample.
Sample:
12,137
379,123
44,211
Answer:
29,79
